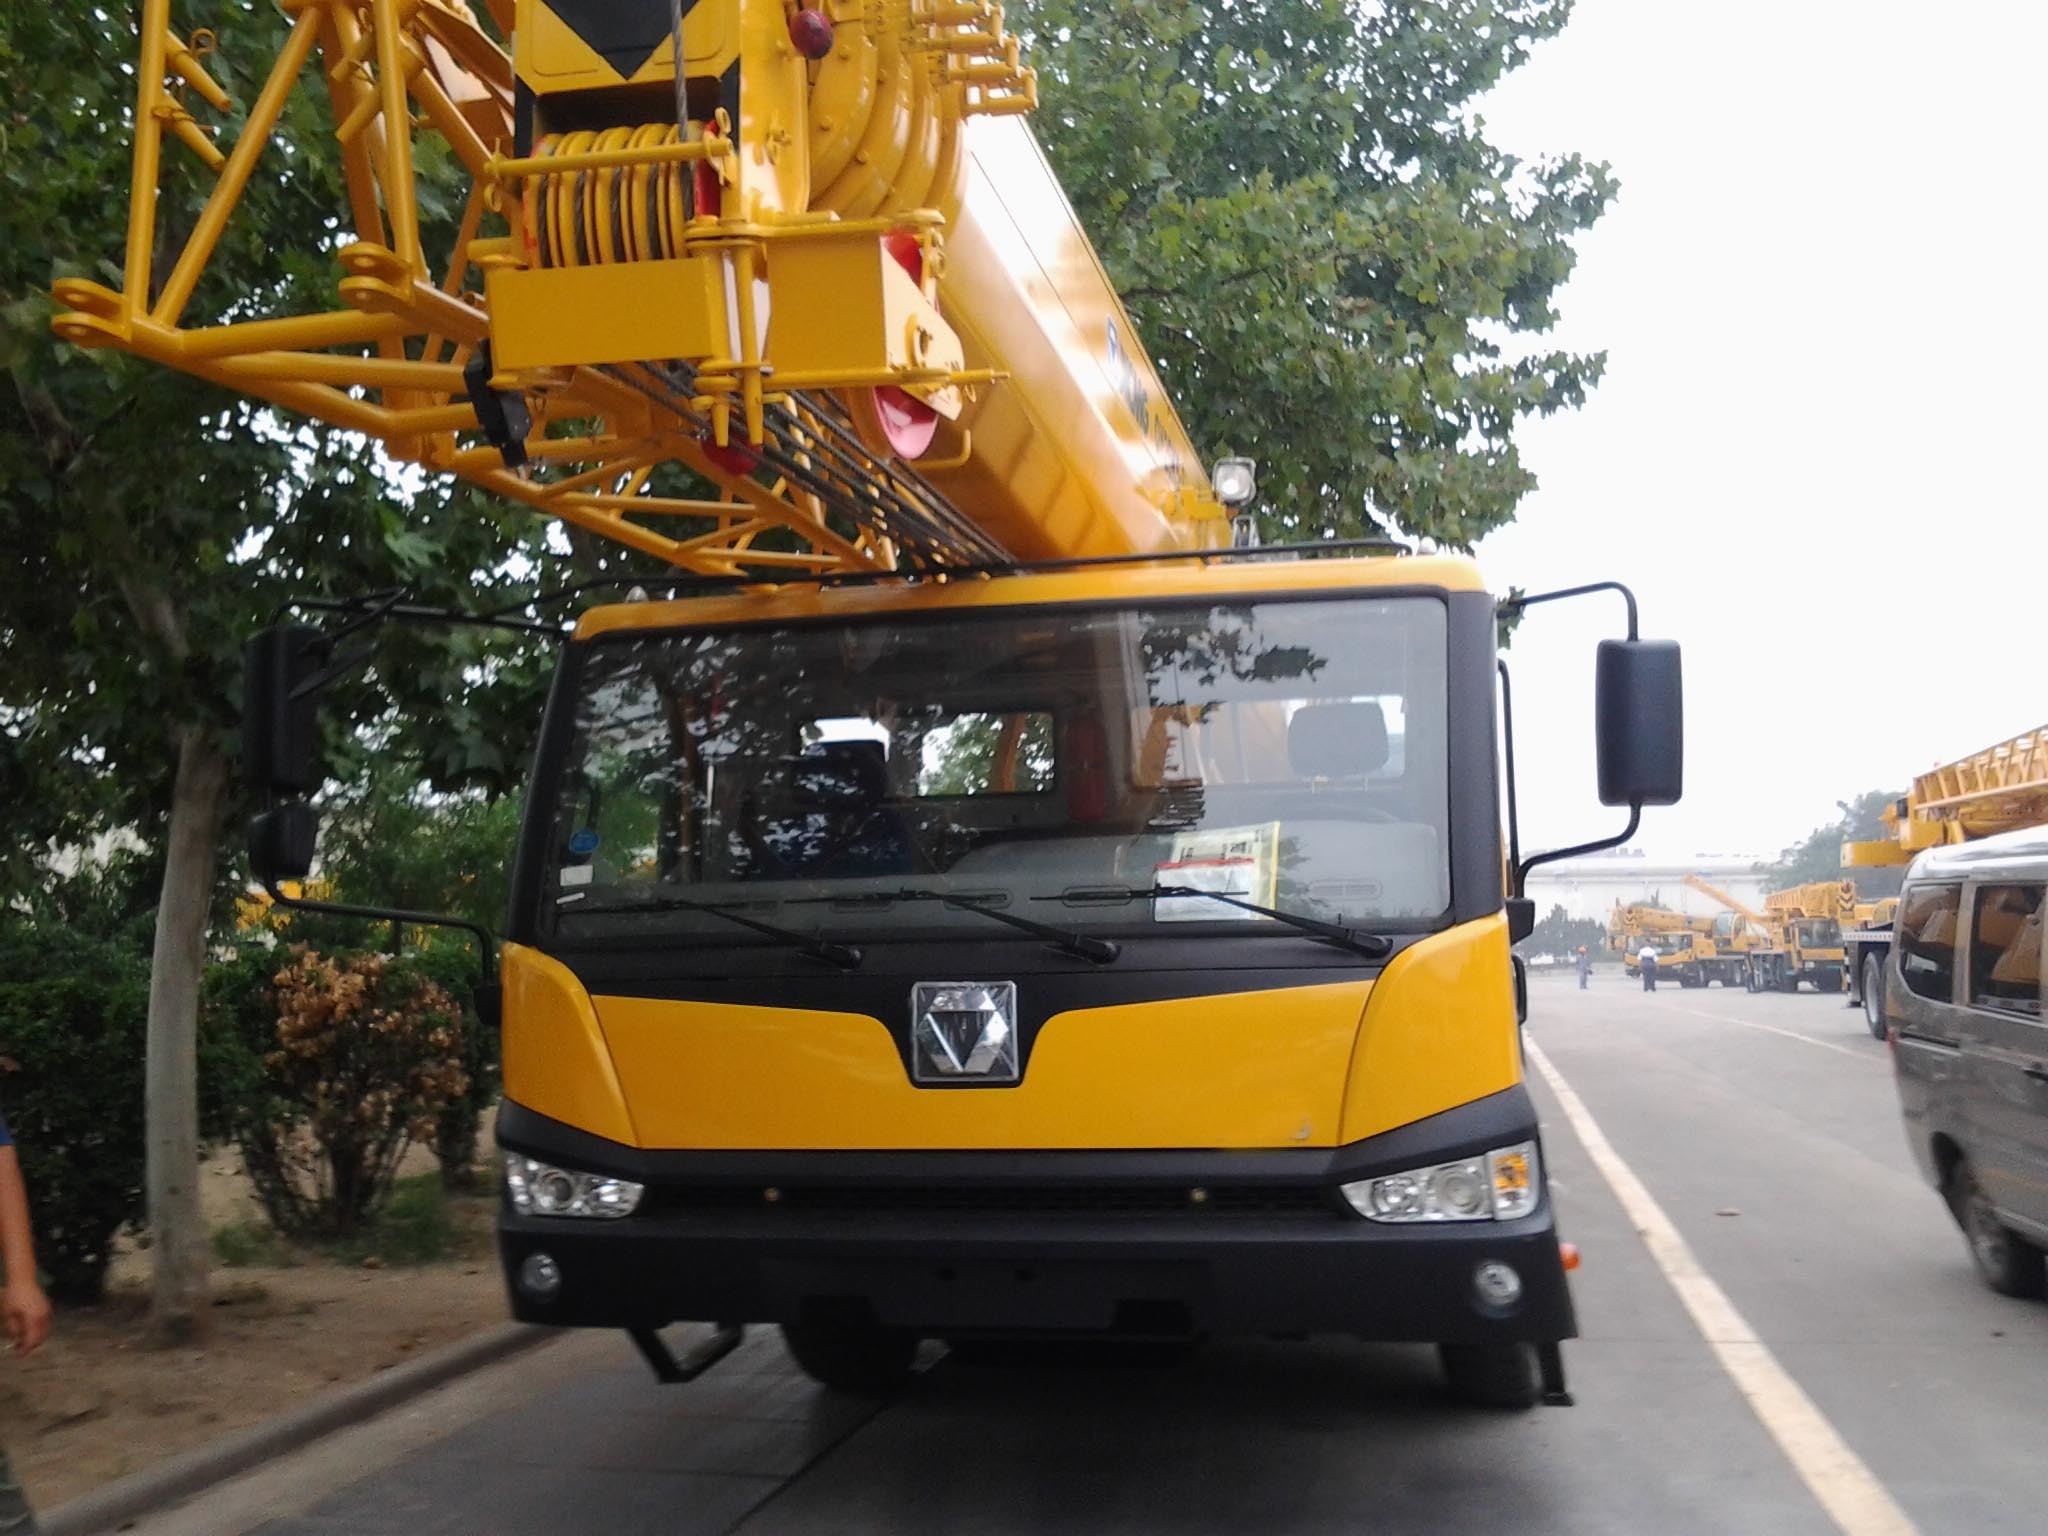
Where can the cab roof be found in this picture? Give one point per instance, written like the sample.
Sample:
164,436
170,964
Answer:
2019,855
1168,579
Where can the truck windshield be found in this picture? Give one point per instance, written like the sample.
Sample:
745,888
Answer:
1290,753
1820,933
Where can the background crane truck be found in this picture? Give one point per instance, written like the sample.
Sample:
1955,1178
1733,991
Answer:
2003,788
1797,937
1689,949
1803,927
965,896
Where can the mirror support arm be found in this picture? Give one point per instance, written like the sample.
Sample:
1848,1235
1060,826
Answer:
485,941
1514,605
1552,855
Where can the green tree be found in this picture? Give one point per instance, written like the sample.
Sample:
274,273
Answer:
1559,933
1334,269
1818,855
153,523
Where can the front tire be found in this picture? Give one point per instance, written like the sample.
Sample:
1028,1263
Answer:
864,1360
2010,1264
1873,995
1491,1375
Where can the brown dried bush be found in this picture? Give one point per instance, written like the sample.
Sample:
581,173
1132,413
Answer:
364,1053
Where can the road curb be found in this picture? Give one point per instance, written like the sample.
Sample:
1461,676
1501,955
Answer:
172,1481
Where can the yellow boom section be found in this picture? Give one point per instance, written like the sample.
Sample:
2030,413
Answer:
2000,789
746,285
1820,898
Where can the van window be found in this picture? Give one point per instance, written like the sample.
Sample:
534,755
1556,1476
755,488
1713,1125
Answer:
2005,949
1927,939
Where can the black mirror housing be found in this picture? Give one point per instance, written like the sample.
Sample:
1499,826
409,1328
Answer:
1639,722
280,733
281,843
1521,918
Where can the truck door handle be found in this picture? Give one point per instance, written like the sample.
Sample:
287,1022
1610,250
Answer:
2038,1073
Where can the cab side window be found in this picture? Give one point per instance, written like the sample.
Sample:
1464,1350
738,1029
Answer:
1927,940
2005,949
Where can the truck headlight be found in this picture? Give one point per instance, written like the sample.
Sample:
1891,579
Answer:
1499,1186
539,1189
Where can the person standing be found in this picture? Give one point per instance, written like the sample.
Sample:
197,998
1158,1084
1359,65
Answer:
1585,967
1646,961
24,1312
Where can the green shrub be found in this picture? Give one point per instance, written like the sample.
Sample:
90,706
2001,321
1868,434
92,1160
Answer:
251,1244
458,1129
417,1224
73,1017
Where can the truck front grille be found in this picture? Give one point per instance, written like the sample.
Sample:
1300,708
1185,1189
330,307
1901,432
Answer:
1003,1200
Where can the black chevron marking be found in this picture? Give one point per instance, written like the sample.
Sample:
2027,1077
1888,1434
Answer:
624,33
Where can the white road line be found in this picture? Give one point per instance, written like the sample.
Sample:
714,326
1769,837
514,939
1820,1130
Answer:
1789,1034
1846,1488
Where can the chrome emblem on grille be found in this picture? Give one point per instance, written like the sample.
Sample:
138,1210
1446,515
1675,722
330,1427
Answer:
963,1029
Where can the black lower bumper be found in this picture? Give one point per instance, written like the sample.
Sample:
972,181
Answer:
1266,1247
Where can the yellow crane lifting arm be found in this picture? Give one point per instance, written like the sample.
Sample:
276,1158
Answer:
1818,898
1646,919
1750,915
2000,789
745,285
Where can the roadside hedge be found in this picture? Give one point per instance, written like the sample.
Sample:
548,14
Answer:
73,1015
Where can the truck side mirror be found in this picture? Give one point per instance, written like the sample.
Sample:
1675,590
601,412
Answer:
281,843
280,725
1639,722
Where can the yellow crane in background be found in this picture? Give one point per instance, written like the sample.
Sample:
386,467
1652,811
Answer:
2003,788
1689,950
1794,938
1806,937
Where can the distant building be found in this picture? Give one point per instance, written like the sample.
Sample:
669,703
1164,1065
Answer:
1590,886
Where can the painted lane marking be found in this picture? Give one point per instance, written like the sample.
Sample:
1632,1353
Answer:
1845,1487
1789,1034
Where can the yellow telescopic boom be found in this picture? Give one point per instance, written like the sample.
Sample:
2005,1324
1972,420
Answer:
746,285
2000,789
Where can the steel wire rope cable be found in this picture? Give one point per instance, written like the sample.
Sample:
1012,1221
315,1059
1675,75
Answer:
633,213
901,506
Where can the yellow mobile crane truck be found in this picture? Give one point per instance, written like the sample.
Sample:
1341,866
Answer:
1804,943
1687,948
1740,933
2003,788
966,896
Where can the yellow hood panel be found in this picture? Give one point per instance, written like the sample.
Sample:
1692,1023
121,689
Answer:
1244,1069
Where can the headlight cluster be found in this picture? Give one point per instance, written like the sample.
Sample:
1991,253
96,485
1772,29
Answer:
537,1189
1499,1186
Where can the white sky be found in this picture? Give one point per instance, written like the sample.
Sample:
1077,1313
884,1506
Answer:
1816,456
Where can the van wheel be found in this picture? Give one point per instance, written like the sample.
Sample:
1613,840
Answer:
1873,995
863,1359
1491,1375
2010,1264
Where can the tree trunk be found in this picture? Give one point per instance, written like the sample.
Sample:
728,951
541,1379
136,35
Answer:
178,1237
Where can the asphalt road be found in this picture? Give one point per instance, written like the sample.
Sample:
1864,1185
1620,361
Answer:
1876,1388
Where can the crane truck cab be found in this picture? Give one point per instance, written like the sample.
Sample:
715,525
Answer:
1109,951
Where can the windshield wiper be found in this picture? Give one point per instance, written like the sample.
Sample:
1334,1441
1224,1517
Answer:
845,956
1373,945
1101,951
